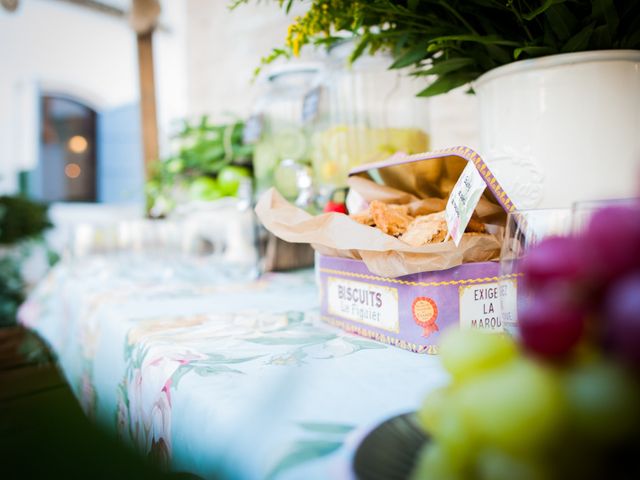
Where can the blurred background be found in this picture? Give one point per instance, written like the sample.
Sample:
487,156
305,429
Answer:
115,111
70,94
70,119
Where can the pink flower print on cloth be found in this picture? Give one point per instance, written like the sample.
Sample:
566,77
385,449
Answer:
149,394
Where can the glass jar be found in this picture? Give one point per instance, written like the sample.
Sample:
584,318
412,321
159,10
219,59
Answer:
367,114
283,120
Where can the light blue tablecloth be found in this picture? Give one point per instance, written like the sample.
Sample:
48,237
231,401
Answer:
203,372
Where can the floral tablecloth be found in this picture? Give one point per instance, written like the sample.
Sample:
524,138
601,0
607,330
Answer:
209,373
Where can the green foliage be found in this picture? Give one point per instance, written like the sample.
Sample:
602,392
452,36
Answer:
21,218
11,289
21,222
458,40
203,149
14,281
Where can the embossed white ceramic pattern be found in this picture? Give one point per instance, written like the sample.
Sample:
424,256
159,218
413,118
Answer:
563,128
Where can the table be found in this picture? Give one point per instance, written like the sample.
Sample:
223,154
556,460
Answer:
206,371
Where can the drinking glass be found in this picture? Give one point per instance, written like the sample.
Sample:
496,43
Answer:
524,229
581,212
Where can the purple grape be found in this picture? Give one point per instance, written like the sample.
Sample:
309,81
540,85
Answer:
612,241
622,317
554,259
552,324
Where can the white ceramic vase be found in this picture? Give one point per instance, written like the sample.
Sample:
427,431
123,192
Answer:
563,128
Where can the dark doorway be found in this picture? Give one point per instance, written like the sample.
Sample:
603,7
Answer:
67,170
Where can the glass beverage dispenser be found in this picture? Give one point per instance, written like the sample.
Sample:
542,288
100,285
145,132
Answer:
280,128
283,121
368,113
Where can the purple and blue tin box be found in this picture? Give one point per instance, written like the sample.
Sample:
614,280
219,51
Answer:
411,311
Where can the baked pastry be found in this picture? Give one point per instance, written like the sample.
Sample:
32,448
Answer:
432,228
417,231
474,226
364,218
426,229
391,219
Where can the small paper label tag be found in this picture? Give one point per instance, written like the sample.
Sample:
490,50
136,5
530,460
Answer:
253,129
463,201
373,305
311,105
509,304
480,307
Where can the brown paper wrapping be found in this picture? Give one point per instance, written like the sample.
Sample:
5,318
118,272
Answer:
487,211
336,234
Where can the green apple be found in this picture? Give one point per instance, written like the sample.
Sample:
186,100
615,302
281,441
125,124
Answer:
230,177
204,188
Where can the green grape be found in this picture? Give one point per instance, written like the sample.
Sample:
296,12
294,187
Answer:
432,409
436,463
516,407
464,353
493,464
455,437
603,401
442,421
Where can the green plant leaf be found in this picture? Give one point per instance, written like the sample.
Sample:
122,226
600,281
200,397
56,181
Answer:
632,41
446,83
605,11
481,56
12,289
627,7
601,38
21,219
413,56
400,44
541,9
484,39
533,51
493,4
579,41
561,20
499,54
287,9
549,38
328,41
360,48
446,66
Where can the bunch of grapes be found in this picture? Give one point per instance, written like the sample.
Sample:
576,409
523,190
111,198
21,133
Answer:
564,400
